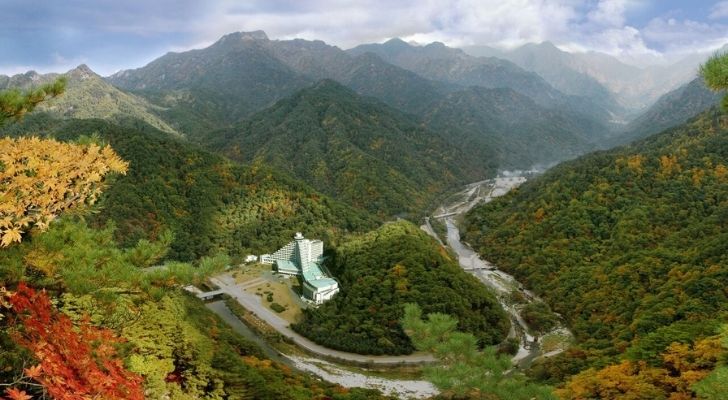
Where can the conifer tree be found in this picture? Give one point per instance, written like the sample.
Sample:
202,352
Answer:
715,74
14,103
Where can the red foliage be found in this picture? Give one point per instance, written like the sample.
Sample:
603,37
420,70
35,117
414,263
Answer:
76,362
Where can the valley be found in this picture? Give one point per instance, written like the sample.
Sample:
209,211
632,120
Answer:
447,201
503,284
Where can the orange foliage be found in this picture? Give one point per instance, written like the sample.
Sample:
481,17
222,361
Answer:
683,365
75,362
40,178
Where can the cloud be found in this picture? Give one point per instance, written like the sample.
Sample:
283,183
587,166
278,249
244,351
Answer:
719,10
686,36
122,34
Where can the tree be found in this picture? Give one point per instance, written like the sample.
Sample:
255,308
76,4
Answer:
463,370
40,178
715,385
14,103
75,362
715,74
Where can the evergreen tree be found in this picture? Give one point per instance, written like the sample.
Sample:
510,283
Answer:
715,74
15,103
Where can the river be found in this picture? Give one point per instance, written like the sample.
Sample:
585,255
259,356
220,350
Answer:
502,284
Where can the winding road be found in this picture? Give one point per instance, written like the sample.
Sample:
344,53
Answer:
253,303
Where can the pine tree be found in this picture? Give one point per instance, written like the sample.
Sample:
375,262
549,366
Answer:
715,74
14,103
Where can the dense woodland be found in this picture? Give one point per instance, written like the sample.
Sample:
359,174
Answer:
355,149
104,219
81,317
209,204
384,269
629,245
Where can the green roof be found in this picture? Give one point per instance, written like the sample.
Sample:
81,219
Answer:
285,265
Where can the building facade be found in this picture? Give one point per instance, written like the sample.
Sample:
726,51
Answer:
303,257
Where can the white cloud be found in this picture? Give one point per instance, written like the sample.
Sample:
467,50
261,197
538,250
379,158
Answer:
600,25
719,10
608,13
686,36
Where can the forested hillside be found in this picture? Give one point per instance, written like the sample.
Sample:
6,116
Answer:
379,273
507,128
671,109
629,245
352,148
439,62
209,204
89,96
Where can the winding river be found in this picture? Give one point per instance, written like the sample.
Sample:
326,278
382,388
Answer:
500,282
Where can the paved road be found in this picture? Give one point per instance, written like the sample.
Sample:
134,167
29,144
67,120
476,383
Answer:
253,303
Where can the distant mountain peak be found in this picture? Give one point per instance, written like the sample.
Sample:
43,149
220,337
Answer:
83,69
246,36
436,45
396,42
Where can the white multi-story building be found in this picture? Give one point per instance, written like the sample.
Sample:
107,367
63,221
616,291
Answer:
303,257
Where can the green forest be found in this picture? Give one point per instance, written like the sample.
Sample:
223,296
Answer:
209,204
630,245
381,271
353,148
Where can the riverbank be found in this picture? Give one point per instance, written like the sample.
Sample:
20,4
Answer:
326,370
503,284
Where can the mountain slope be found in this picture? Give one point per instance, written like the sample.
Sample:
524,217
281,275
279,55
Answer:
383,270
633,88
350,147
629,245
220,84
245,72
208,203
510,126
438,62
89,96
673,108
552,64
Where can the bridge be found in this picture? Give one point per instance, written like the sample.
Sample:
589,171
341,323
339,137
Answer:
204,295
210,295
445,215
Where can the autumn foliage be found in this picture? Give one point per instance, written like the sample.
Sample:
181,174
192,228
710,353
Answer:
75,362
682,366
39,178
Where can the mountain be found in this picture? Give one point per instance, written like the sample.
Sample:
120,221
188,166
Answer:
245,72
632,87
208,203
353,148
367,74
441,63
215,86
630,245
385,269
438,62
552,64
89,96
509,126
673,108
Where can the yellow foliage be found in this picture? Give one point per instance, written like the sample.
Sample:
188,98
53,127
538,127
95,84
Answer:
721,172
635,163
539,214
40,178
668,165
683,365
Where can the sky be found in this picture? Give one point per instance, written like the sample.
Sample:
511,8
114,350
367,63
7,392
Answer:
108,36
